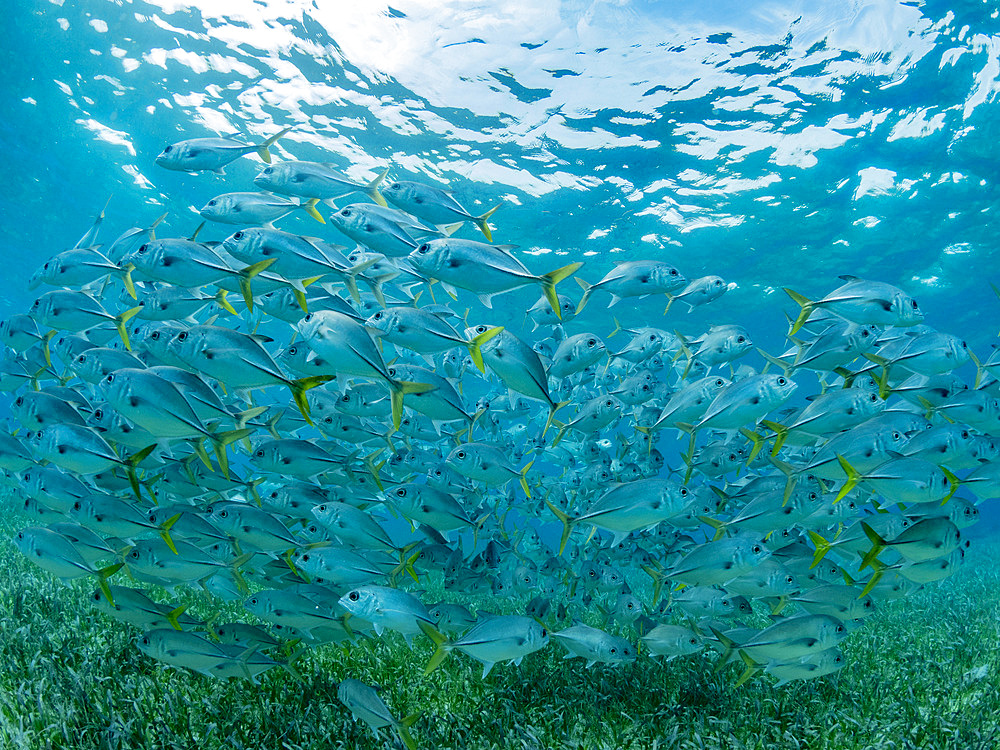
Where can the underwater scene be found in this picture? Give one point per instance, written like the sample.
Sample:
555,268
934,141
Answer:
453,374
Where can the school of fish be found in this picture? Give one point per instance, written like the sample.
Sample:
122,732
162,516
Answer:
322,428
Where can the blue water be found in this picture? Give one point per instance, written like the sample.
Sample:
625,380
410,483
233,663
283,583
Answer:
777,145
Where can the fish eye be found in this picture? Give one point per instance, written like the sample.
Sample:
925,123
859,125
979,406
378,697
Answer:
182,336
168,149
789,579
110,378
76,505
260,453
269,170
782,381
142,249
223,513
99,414
614,650
460,454
19,400
609,402
720,382
328,420
238,235
308,317
914,303
673,271
756,549
591,342
873,398
423,248
346,212
865,333
684,491
354,596
212,202
868,604
840,628
896,436
378,315
740,339
544,632
813,496
400,492
134,554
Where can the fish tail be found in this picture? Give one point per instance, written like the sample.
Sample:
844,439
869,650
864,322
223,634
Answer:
953,482
587,291
403,730
476,344
371,189
786,368
752,668
442,644
174,614
822,547
400,388
979,368
715,523
121,319
299,388
807,309
406,563
878,544
524,478
781,435
221,301
263,149
853,477
567,522
245,416
46,349
165,531
299,291
219,442
127,279
553,408
728,646
238,563
247,274
310,208
754,437
103,574
549,281
559,436
483,218
880,568
130,464
789,471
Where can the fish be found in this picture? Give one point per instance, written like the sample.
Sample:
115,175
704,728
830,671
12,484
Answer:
364,703
212,154
435,205
309,179
486,270
500,638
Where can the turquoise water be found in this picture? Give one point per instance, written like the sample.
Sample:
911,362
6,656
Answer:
777,145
